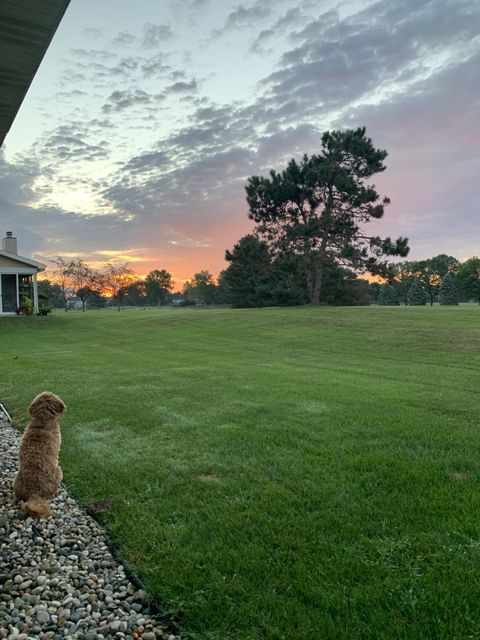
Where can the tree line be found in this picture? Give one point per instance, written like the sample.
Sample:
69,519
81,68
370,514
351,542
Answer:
442,279
256,277
73,282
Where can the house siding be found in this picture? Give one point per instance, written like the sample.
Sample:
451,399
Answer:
7,262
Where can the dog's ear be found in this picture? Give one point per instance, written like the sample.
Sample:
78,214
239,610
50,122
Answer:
47,406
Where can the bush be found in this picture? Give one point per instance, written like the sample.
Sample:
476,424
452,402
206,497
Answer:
26,306
44,310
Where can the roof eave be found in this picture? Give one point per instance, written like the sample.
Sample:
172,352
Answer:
28,261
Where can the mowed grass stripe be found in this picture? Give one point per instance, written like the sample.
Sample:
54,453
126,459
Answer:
276,473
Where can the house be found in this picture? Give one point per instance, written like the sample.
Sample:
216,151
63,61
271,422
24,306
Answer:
18,277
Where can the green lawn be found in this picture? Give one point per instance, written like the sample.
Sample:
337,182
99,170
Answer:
279,473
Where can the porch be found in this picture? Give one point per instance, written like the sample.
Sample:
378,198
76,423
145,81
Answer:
14,288
18,278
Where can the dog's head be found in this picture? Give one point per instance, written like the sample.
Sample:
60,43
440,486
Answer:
47,406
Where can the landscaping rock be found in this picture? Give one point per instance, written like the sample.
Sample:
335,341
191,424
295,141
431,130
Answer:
58,579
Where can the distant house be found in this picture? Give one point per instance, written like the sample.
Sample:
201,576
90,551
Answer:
18,277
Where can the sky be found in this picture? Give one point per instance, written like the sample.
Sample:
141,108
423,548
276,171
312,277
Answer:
146,118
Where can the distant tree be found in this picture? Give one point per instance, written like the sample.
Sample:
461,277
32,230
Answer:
85,281
158,284
201,288
63,277
115,280
448,293
401,275
416,295
388,296
175,298
468,279
96,300
134,294
318,208
431,272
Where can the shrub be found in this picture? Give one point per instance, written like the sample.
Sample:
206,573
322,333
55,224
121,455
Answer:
26,306
44,310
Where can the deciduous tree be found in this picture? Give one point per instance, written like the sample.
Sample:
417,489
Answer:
201,288
115,280
158,284
63,277
468,279
86,280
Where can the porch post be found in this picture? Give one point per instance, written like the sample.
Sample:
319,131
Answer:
35,293
18,292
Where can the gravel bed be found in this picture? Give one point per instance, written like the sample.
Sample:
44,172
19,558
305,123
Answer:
58,579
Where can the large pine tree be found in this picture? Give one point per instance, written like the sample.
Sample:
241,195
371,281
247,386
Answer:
319,208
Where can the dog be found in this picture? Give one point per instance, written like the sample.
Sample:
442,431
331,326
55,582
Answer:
39,475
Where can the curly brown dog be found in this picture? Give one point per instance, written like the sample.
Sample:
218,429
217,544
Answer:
39,475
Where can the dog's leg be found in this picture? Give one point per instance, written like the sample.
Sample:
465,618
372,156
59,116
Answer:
18,494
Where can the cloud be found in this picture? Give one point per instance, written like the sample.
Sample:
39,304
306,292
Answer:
284,23
154,35
182,87
146,161
244,16
71,142
93,54
124,39
155,65
199,4
385,47
17,180
121,100
124,66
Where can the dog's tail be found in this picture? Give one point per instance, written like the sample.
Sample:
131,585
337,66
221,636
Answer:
37,507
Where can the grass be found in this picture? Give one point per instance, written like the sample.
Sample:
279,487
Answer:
279,473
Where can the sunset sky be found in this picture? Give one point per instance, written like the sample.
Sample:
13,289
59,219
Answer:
145,119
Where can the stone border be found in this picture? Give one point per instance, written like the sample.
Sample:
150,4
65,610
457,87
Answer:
60,578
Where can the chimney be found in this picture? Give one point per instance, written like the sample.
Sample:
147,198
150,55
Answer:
9,243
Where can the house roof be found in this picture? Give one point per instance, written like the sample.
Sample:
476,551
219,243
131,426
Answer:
22,260
26,29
